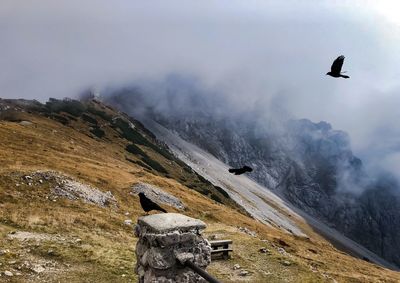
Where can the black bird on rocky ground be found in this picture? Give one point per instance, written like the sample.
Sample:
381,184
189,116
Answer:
148,205
240,171
336,68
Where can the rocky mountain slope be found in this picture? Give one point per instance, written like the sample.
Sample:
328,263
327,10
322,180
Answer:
69,176
310,165
256,199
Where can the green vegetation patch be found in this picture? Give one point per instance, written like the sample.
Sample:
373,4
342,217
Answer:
140,163
70,106
222,191
59,118
89,119
97,132
136,137
134,149
101,114
154,164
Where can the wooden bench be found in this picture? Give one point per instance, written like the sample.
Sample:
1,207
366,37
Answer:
220,248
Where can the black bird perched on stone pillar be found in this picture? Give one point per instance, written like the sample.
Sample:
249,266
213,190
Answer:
148,205
336,68
240,171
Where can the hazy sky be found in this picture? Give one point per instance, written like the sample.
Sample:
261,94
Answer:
249,51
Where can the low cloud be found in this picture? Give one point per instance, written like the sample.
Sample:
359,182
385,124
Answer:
262,55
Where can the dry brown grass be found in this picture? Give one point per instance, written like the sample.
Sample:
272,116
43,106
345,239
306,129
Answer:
106,250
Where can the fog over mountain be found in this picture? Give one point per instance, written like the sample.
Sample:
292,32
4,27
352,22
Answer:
310,165
257,55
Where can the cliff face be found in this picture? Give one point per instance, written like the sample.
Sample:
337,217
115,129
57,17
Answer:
312,166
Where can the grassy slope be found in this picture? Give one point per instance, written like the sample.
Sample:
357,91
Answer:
97,246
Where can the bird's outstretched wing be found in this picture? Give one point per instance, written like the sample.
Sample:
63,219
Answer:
337,65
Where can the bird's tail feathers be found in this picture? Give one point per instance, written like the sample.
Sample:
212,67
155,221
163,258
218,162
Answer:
231,170
344,76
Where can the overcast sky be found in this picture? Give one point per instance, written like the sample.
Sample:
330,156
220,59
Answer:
250,51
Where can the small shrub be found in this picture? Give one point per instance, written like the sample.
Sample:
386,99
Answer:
60,119
89,119
222,191
216,198
140,163
11,116
70,106
99,113
134,136
154,164
134,149
97,132
128,133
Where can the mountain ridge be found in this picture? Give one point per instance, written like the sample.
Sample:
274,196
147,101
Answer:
312,166
309,164
66,203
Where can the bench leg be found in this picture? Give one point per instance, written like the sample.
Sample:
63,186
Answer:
226,254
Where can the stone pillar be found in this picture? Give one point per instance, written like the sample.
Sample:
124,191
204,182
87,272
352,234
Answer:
165,238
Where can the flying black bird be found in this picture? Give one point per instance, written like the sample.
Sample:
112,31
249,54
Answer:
336,68
148,205
240,171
